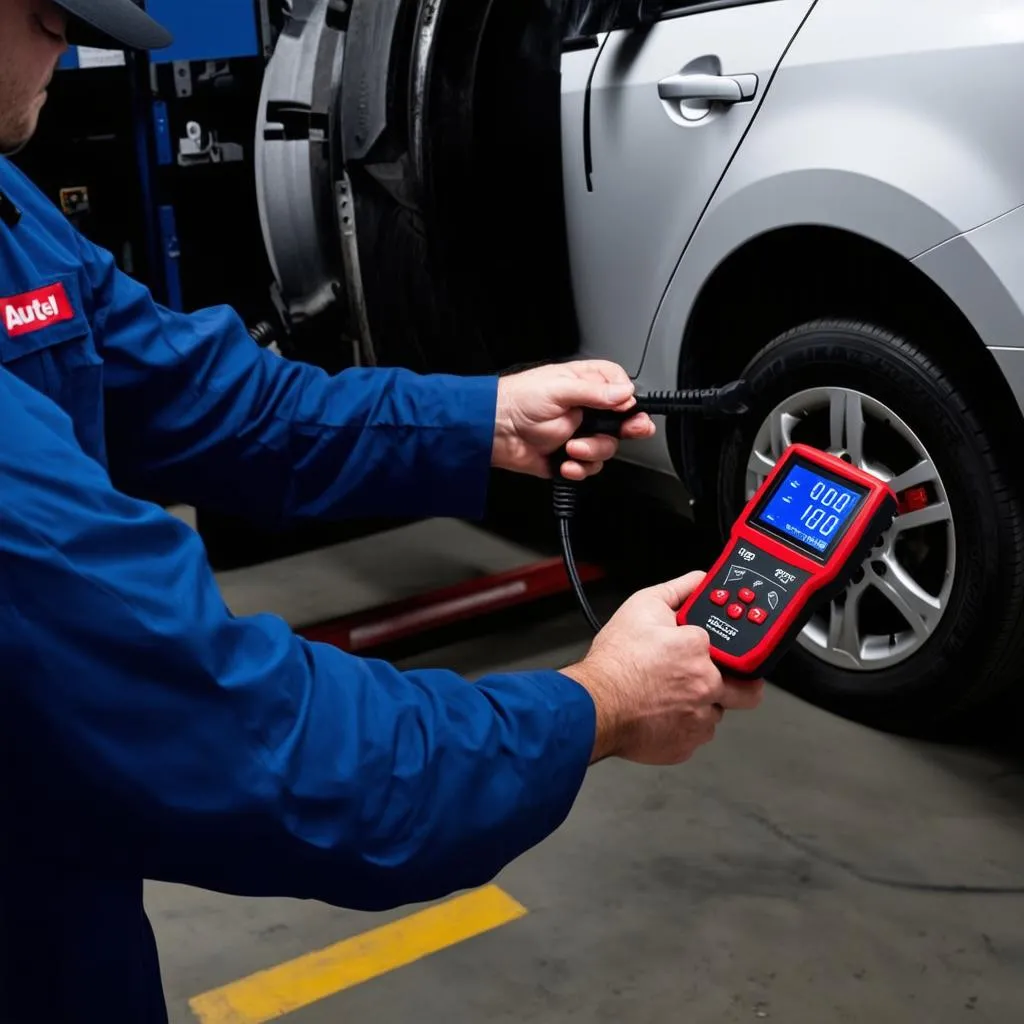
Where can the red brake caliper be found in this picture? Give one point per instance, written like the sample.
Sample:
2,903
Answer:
913,500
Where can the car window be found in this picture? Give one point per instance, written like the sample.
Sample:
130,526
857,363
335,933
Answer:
677,8
585,19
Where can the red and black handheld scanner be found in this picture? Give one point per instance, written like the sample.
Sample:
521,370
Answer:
796,545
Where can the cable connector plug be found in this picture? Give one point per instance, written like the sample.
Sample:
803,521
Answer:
731,399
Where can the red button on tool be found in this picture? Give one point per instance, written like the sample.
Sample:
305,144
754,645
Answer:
719,596
746,595
757,615
734,611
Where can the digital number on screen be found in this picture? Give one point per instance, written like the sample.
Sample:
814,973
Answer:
810,508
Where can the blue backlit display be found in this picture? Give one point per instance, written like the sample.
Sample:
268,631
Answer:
810,508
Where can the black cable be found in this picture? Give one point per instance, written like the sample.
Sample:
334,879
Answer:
730,400
574,577
564,496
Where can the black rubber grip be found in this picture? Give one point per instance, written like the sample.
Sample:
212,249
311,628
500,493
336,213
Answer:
594,422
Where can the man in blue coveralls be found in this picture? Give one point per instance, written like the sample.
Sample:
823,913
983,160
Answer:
147,732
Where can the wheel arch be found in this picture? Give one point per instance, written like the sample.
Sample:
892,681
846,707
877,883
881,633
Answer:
789,275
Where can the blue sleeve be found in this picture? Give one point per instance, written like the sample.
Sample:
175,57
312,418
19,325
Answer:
198,413
147,729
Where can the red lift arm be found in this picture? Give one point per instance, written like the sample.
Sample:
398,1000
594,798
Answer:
447,606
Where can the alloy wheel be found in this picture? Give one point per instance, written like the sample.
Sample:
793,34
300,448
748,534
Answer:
898,597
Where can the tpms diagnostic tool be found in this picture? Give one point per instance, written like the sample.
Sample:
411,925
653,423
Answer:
798,543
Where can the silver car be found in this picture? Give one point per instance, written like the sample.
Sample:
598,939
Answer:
825,197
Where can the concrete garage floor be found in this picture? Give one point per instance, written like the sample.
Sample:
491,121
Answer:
801,869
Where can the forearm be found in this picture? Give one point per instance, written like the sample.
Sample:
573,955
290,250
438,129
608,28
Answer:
384,788
384,442
198,413
230,426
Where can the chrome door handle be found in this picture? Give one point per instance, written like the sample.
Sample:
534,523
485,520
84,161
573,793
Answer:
714,88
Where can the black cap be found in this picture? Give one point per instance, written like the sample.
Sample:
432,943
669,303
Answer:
113,25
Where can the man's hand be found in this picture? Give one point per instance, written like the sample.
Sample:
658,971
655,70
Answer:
658,694
541,408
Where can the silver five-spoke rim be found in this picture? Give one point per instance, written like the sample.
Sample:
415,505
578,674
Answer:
912,570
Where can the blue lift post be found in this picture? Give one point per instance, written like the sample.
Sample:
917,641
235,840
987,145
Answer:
234,32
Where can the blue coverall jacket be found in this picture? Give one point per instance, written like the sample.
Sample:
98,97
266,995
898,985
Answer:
147,733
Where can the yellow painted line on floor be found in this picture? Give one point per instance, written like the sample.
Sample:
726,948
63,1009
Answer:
290,986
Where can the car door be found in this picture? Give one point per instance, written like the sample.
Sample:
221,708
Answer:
666,108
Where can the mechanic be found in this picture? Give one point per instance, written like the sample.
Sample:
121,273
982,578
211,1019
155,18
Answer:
150,734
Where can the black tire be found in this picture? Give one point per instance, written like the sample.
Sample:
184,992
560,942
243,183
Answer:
466,271
974,652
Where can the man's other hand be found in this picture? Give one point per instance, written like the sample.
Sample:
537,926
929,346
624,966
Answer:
541,408
658,694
